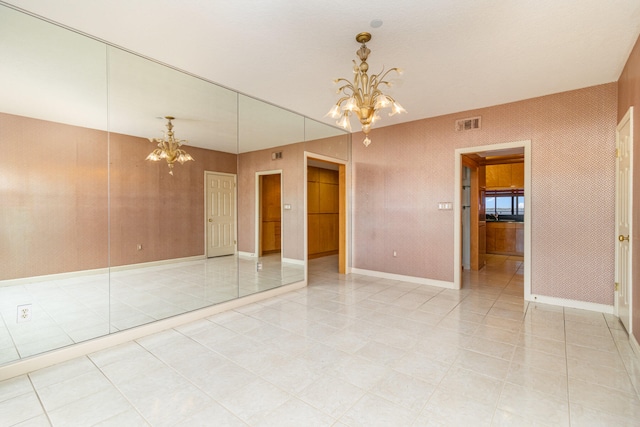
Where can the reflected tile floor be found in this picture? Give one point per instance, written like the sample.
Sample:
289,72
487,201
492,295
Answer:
109,302
354,351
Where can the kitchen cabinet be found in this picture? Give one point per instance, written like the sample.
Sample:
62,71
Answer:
509,175
520,238
505,238
517,175
490,237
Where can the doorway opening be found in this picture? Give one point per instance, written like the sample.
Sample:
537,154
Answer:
269,213
326,217
220,214
493,208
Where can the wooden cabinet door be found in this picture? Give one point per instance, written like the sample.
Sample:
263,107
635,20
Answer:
491,237
520,239
313,197
517,175
329,198
491,176
504,175
510,239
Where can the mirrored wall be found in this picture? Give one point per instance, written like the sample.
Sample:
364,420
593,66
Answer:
94,239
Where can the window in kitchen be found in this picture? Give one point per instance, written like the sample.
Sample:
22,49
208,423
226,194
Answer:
504,202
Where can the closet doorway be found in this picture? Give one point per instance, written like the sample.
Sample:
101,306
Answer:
269,213
326,209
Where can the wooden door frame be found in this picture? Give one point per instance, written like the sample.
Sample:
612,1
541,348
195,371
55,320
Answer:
457,210
258,212
343,207
474,214
206,209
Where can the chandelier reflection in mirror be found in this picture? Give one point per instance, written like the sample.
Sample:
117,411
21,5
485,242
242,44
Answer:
169,148
364,97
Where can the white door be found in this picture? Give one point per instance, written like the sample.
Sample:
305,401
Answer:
624,145
221,214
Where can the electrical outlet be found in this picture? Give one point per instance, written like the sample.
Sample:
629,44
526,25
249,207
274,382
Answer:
139,246
259,266
24,313
395,254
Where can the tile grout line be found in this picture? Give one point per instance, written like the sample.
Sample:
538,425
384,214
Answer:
35,390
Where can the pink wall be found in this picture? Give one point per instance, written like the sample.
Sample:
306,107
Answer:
53,198
163,213
400,178
60,211
628,95
292,165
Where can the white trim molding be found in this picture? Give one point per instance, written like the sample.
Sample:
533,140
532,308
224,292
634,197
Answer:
410,279
570,303
97,271
247,254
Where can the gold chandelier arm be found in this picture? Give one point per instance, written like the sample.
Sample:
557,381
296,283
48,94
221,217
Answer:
346,87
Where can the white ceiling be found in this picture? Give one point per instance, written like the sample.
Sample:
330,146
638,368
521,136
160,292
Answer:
457,54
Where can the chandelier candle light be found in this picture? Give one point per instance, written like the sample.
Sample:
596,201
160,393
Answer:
169,148
363,97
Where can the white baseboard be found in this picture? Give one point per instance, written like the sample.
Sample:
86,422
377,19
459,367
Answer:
569,303
96,271
410,279
247,254
53,357
50,277
156,263
293,261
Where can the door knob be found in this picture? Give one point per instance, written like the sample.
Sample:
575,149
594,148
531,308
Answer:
211,220
622,238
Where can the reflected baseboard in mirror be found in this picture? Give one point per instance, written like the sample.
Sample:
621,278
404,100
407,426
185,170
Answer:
76,309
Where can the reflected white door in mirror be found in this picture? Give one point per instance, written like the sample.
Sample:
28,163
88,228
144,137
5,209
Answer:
221,216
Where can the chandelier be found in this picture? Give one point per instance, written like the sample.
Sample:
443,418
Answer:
169,148
363,97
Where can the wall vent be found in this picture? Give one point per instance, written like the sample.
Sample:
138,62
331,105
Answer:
276,155
468,124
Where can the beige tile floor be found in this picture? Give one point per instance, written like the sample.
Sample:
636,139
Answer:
354,351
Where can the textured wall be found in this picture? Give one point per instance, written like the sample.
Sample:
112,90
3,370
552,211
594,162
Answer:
54,188
53,198
400,178
163,213
628,95
291,164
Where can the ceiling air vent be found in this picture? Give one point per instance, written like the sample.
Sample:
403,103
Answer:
468,124
277,155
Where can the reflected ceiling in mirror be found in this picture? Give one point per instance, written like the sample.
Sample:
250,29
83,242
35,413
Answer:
143,92
262,125
51,73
